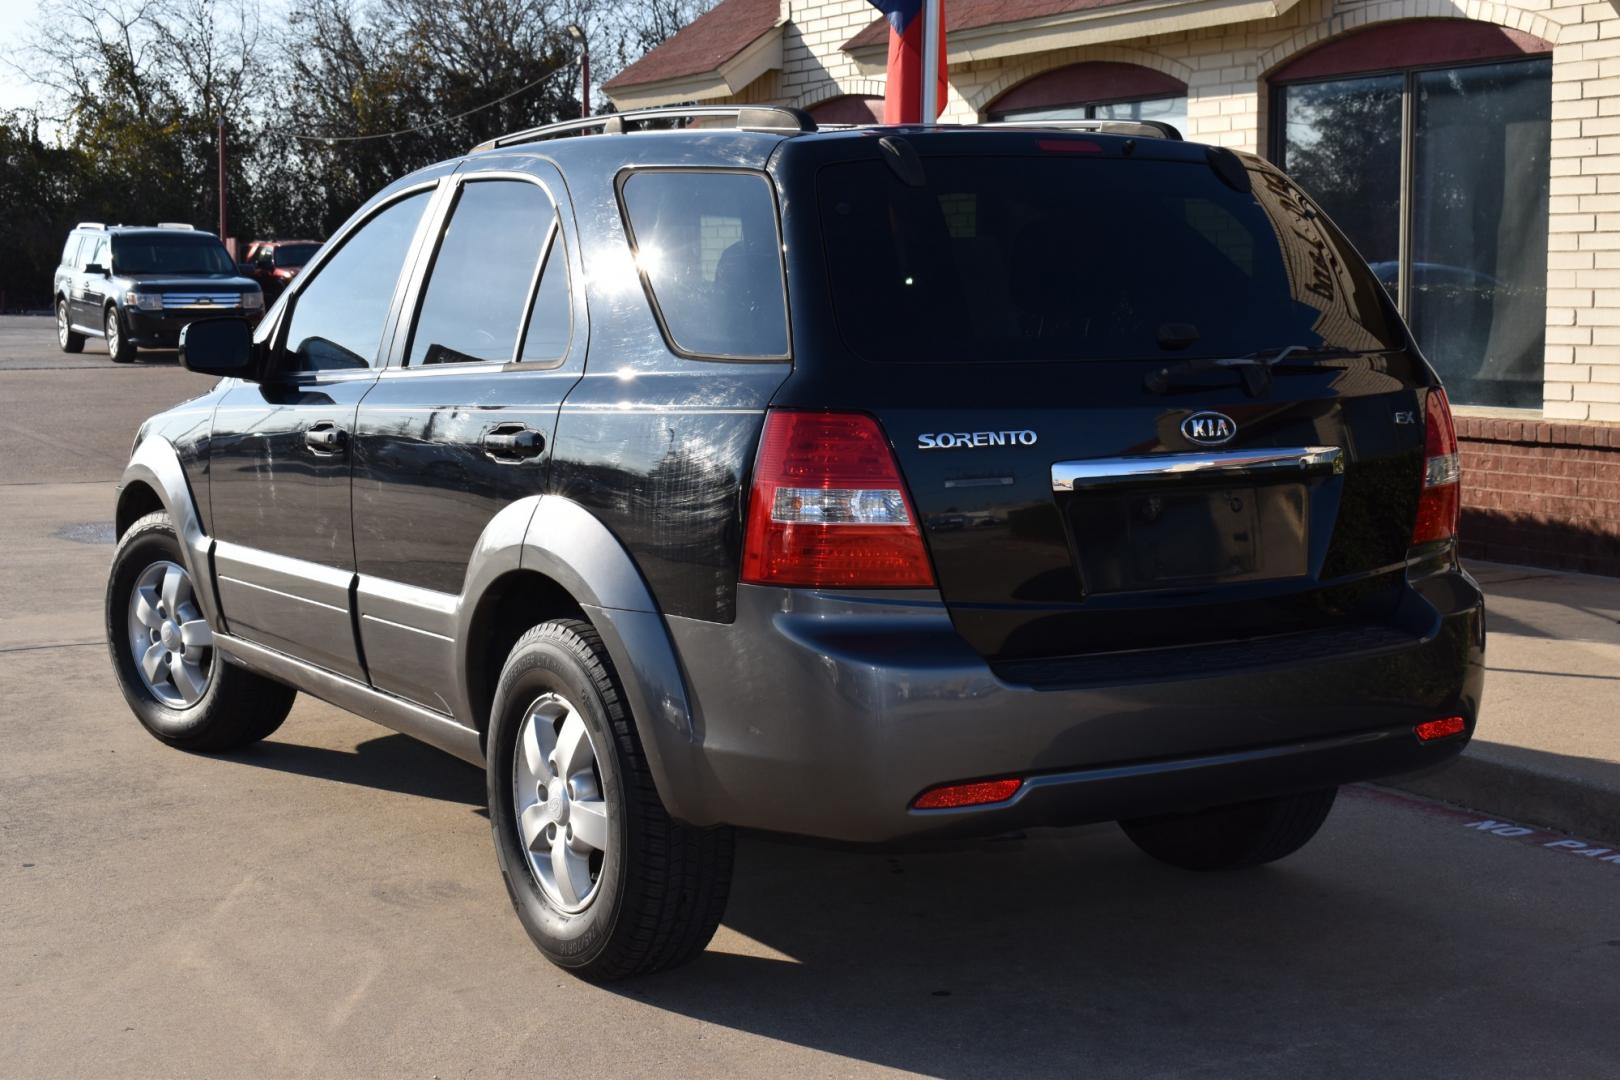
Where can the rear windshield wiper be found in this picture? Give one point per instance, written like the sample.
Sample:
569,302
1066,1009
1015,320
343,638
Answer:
1255,368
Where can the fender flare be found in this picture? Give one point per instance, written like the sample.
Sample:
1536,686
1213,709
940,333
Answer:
554,536
156,463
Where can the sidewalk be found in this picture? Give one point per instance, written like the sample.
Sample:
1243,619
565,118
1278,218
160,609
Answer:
1547,749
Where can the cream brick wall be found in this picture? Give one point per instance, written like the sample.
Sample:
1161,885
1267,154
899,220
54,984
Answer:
1224,69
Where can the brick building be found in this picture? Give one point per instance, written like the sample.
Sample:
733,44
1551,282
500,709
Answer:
1471,150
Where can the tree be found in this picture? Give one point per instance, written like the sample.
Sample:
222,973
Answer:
348,96
136,87
379,91
633,28
37,185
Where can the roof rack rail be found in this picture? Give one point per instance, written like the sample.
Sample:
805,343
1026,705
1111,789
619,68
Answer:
176,225
90,225
777,119
1150,129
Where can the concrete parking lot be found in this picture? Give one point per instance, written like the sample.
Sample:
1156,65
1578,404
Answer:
327,903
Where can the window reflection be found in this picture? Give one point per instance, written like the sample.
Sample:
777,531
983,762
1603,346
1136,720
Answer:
476,292
1169,110
1477,284
337,321
709,247
1475,261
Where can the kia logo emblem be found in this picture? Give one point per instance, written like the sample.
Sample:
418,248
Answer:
1209,428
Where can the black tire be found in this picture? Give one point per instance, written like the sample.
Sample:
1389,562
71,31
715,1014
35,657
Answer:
237,708
119,346
1233,837
70,341
657,902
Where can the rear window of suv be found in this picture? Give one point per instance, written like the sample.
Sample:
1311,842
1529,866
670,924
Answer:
1085,258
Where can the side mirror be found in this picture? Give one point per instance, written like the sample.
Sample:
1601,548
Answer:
97,269
218,347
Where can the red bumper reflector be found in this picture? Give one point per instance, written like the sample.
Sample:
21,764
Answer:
1440,729
954,796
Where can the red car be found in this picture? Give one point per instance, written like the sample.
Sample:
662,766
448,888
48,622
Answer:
273,263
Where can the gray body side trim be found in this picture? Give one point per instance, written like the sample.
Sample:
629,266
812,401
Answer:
499,552
826,713
156,463
571,546
271,597
385,709
407,635
546,534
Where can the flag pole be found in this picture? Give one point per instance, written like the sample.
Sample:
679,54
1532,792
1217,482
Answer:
933,11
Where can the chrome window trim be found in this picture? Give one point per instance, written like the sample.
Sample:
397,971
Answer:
1113,472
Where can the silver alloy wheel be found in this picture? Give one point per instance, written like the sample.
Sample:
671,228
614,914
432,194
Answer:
112,332
562,818
62,329
168,636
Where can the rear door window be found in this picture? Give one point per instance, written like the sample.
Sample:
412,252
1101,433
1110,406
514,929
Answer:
478,288
551,316
1076,258
708,248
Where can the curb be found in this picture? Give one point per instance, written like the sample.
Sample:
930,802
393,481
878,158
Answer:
1568,804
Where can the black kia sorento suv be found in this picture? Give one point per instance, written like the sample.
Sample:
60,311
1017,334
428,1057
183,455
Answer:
137,287
870,485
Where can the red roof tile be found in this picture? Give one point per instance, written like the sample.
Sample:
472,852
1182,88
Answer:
972,14
709,41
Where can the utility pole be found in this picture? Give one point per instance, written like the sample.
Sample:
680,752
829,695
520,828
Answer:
577,32
220,122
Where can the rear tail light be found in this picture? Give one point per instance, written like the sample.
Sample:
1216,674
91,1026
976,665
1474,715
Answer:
978,793
1440,501
828,507
1440,729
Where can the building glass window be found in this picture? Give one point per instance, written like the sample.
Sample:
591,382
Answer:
1439,175
1169,110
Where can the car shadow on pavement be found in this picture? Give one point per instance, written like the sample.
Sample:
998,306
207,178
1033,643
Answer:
1007,957
389,763
1069,953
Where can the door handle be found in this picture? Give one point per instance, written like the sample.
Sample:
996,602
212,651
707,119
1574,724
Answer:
326,438
513,442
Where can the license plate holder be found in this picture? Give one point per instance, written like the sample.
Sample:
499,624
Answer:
1145,539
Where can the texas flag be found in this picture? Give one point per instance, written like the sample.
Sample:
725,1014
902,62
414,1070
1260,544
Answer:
902,101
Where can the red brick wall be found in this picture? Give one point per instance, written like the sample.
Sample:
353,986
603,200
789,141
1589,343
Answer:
1541,493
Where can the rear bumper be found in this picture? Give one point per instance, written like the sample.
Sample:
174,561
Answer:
826,715
161,330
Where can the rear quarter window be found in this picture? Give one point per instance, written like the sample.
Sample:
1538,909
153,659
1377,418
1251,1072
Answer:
709,251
